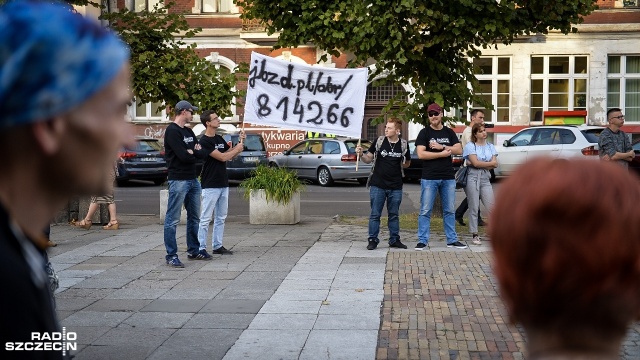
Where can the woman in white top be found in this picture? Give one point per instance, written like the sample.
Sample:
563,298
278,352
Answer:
481,157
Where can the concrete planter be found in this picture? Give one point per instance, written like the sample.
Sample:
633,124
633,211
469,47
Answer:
263,212
164,200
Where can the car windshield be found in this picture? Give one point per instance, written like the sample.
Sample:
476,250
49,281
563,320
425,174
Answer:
251,142
146,146
592,135
351,145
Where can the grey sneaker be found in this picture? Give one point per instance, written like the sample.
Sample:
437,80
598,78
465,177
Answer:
222,251
175,262
457,245
421,246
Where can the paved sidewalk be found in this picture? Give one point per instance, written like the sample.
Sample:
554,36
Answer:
307,291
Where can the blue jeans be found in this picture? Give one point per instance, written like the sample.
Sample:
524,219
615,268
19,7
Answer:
185,192
393,198
214,200
447,190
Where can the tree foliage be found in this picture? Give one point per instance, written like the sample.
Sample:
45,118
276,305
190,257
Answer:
164,67
424,43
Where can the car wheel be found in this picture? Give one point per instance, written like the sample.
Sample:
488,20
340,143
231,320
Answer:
362,181
324,177
159,181
272,164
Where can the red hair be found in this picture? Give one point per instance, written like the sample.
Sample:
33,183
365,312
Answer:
566,241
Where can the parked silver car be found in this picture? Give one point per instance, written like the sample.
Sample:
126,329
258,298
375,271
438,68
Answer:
325,160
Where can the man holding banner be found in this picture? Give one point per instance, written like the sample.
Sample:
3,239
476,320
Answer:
389,155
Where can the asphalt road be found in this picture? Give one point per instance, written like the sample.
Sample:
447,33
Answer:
344,198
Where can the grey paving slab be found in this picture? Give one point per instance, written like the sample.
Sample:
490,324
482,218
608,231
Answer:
264,321
73,304
203,292
216,265
246,293
197,343
137,293
311,284
300,295
198,283
271,266
206,273
314,274
175,306
233,306
268,345
125,335
340,344
107,305
360,321
96,318
84,293
108,352
87,334
291,307
161,320
219,321
350,307
355,294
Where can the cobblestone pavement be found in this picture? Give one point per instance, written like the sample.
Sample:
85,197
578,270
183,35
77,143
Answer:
443,304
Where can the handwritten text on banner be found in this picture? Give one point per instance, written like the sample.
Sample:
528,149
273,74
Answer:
298,96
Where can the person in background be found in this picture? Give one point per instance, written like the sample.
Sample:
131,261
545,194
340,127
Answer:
567,256
434,145
63,94
477,117
613,143
94,206
181,150
215,185
480,156
390,154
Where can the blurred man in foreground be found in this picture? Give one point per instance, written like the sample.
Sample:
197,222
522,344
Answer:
567,256
64,86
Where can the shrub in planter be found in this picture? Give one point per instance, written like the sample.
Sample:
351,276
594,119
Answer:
279,184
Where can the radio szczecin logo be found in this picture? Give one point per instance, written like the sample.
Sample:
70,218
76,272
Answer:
55,341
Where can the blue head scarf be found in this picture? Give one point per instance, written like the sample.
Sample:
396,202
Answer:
51,60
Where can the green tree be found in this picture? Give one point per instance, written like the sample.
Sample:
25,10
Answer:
425,43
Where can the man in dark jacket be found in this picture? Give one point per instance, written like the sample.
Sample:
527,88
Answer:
181,149
63,96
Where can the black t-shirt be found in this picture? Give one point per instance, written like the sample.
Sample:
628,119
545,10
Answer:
387,173
214,172
440,168
25,305
181,164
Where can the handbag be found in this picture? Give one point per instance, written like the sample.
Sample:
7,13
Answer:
461,177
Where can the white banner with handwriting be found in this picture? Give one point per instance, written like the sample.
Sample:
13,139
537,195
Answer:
311,98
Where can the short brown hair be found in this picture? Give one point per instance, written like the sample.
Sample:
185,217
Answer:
566,241
474,131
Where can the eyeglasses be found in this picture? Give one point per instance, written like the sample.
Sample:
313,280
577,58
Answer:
433,113
617,117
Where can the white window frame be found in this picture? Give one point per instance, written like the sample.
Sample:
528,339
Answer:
546,77
622,76
494,77
131,4
132,110
199,7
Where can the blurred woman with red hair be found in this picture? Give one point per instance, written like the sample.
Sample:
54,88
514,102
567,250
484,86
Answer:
566,240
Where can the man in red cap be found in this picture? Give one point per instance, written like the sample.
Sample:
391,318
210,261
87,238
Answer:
434,145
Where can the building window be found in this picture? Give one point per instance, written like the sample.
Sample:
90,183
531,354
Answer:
623,85
147,112
218,6
558,83
142,5
383,93
494,77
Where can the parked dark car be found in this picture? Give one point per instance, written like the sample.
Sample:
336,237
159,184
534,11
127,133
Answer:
240,167
325,160
634,165
414,171
145,161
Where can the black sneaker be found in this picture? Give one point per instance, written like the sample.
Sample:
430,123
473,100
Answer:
372,245
398,244
421,246
457,245
175,262
481,223
222,251
200,255
460,221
